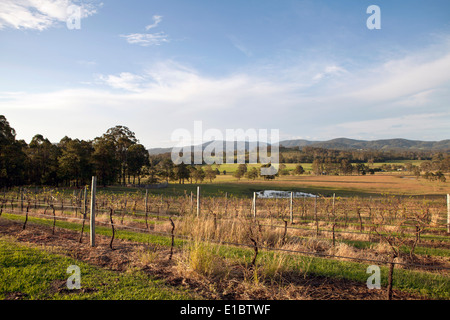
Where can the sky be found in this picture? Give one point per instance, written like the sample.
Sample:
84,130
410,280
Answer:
311,69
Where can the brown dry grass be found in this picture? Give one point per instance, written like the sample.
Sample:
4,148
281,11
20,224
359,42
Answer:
378,183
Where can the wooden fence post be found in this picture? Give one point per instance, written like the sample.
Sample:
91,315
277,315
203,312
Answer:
254,205
85,202
198,201
146,208
146,200
315,216
334,195
21,199
448,213
291,209
226,203
92,229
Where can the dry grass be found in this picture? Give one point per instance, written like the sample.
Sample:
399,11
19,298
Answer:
378,183
202,258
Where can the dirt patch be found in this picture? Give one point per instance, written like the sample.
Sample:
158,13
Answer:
154,261
16,296
60,286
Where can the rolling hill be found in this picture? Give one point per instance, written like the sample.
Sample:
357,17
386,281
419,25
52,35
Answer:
385,144
346,144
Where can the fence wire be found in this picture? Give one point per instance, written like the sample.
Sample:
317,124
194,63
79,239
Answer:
189,238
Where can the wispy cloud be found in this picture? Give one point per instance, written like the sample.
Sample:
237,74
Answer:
329,71
240,46
39,14
125,80
87,63
403,78
148,39
389,127
156,21
406,97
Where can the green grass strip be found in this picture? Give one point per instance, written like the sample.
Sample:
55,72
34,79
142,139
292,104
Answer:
37,274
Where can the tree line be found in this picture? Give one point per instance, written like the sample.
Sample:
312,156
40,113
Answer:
308,154
118,157
115,157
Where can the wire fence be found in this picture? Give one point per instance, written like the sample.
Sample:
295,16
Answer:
322,216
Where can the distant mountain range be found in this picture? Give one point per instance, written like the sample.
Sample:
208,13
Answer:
345,144
210,144
385,144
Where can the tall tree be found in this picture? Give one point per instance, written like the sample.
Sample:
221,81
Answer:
166,169
210,173
198,174
138,158
299,169
12,156
106,166
123,138
75,161
240,171
181,172
318,166
252,174
42,161
345,167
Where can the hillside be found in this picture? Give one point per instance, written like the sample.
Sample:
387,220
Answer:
386,144
348,144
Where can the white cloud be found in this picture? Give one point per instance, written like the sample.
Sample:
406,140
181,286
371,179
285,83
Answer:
403,98
329,71
164,97
156,21
147,39
38,14
417,126
403,78
124,80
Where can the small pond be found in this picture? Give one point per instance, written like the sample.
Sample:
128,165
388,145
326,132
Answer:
282,194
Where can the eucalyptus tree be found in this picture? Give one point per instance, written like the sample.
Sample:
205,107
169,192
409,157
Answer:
137,160
122,138
12,156
42,161
75,161
106,165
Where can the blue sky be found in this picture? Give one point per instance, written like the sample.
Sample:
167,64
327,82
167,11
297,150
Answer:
311,69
